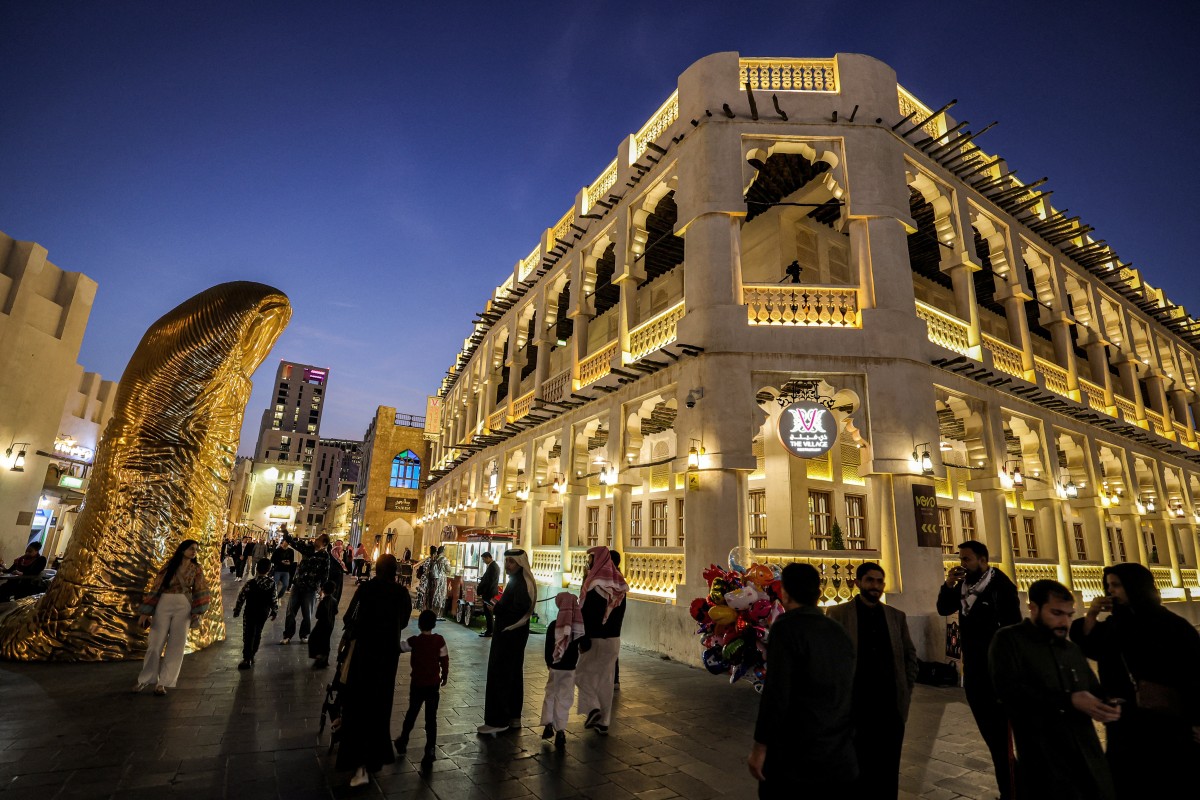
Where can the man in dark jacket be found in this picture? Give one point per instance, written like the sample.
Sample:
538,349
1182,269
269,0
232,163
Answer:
804,739
283,562
985,600
1049,692
884,674
486,590
312,572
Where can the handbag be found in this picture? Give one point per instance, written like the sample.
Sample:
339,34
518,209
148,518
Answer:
1154,696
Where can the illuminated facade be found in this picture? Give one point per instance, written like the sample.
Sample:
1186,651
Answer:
387,498
52,413
805,231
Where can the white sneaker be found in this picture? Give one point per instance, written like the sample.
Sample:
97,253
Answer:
360,777
491,730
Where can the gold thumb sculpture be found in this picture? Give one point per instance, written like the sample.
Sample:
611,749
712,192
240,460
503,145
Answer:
160,476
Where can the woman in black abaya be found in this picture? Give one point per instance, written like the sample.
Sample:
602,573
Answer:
506,660
374,621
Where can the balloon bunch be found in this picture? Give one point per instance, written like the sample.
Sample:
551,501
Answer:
734,616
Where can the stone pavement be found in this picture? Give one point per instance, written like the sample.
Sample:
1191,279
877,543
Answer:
76,731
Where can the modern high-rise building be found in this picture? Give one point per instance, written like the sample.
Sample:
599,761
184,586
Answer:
288,440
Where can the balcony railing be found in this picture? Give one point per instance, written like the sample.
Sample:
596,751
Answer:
599,188
562,230
546,563
655,332
823,306
1094,395
1031,570
667,113
1088,580
1127,408
1005,357
908,103
1157,423
1162,577
789,74
597,365
1181,431
653,572
1055,377
836,570
555,389
522,406
528,263
496,420
946,330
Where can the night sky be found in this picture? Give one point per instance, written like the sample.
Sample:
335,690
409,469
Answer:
386,163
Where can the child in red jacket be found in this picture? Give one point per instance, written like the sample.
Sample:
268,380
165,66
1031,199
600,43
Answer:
430,670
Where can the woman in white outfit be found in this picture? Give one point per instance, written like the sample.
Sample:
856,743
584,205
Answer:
179,598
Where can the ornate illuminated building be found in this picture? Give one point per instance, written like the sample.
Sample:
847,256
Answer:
805,229
386,499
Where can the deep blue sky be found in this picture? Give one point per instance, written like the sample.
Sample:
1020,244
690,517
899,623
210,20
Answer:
386,163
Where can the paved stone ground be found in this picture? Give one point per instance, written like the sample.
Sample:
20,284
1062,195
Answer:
76,731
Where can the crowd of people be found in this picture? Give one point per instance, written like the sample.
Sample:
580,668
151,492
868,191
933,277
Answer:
583,641
836,697
839,684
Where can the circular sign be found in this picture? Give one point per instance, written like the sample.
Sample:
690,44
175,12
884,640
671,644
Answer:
807,429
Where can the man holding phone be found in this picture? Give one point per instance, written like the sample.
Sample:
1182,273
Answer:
1052,698
985,600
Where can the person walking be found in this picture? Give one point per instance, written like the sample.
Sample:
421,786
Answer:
603,608
283,560
312,572
884,673
1150,659
360,559
258,598
486,590
424,573
564,638
985,600
241,552
804,736
176,602
440,573
375,620
318,641
505,692
1051,697
430,671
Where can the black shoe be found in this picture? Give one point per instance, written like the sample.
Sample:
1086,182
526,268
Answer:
320,663
246,664
602,730
560,739
593,718
401,744
485,635
548,732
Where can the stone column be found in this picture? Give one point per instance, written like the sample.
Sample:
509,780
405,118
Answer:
1179,398
622,501
1127,364
566,530
1059,325
533,516
718,517
1156,391
1097,354
1018,326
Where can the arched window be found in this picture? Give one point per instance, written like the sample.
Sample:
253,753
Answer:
406,470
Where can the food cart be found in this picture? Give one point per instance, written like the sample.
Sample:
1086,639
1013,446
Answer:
464,545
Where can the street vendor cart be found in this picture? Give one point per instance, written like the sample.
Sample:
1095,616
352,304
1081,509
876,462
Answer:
464,546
